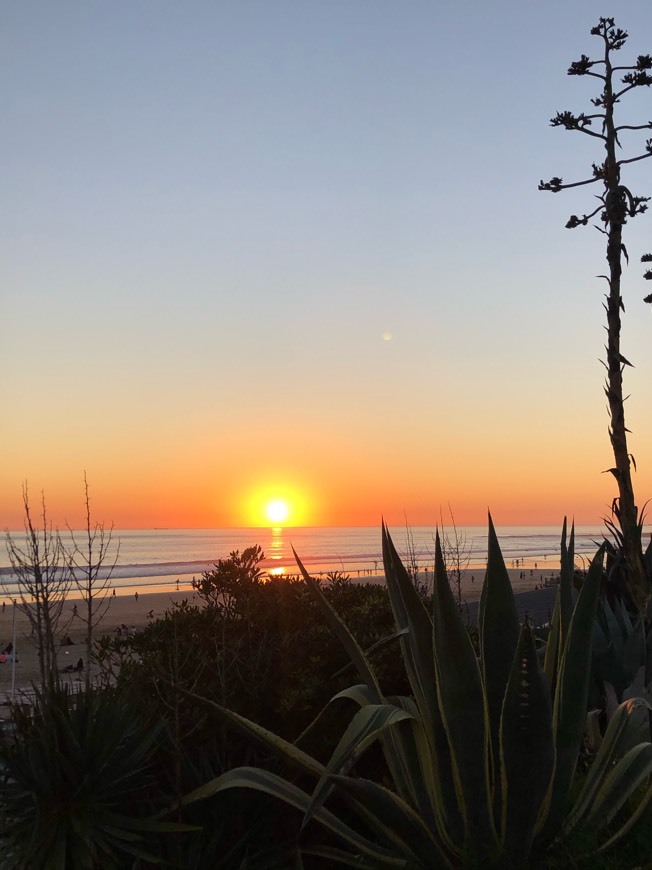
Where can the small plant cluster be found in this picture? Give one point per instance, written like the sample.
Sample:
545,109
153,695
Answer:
77,785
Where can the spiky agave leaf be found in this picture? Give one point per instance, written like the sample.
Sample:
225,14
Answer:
365,727
527,750
418,654
570,700
421,773
405,768
462,702
615,744
398,823
276,786
499,637
355,653
563,608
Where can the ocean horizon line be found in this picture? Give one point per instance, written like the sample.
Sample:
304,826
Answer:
287,526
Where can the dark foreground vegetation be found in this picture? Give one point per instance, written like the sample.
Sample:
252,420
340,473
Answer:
252,730
290,724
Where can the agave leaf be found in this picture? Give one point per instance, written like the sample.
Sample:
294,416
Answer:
570,702
343,634
336,856
647,558
397,823
499,638
416,644
393,747
361,694
566,577
615,743
614,629
634,649
418,655
648,646
527,750
552,655
600,641
270,783
638,688
383,641
630,822
462,704
363,729
419,767
625,618
593,732
281,748
620,783
152,826
563,609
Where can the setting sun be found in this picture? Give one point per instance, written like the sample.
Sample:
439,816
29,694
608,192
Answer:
277,503
277,511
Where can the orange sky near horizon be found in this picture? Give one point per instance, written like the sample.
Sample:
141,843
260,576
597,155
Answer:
351,486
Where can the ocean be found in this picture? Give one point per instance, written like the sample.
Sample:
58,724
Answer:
165,559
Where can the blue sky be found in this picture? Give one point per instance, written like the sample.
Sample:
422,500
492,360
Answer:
215,210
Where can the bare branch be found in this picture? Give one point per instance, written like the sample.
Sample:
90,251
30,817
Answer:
635,159
91,566
43,579
555,187
647,126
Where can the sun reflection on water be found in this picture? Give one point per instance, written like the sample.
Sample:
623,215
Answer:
276,551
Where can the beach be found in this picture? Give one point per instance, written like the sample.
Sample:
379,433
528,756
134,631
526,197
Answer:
137,611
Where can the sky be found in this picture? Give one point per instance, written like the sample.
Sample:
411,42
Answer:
295,250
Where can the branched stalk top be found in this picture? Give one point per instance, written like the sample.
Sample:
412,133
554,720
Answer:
617,203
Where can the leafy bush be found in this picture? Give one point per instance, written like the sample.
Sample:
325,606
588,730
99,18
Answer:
266,652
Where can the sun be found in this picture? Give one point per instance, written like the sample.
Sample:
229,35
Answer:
277,511
276,504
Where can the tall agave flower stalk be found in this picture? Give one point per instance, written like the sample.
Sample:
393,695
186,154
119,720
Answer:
616,206
482,755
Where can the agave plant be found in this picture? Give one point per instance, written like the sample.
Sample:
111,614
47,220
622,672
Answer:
75,783
621,668
622,641
619,586
483,755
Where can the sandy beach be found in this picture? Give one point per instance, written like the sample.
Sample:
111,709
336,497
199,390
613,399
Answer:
137,612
